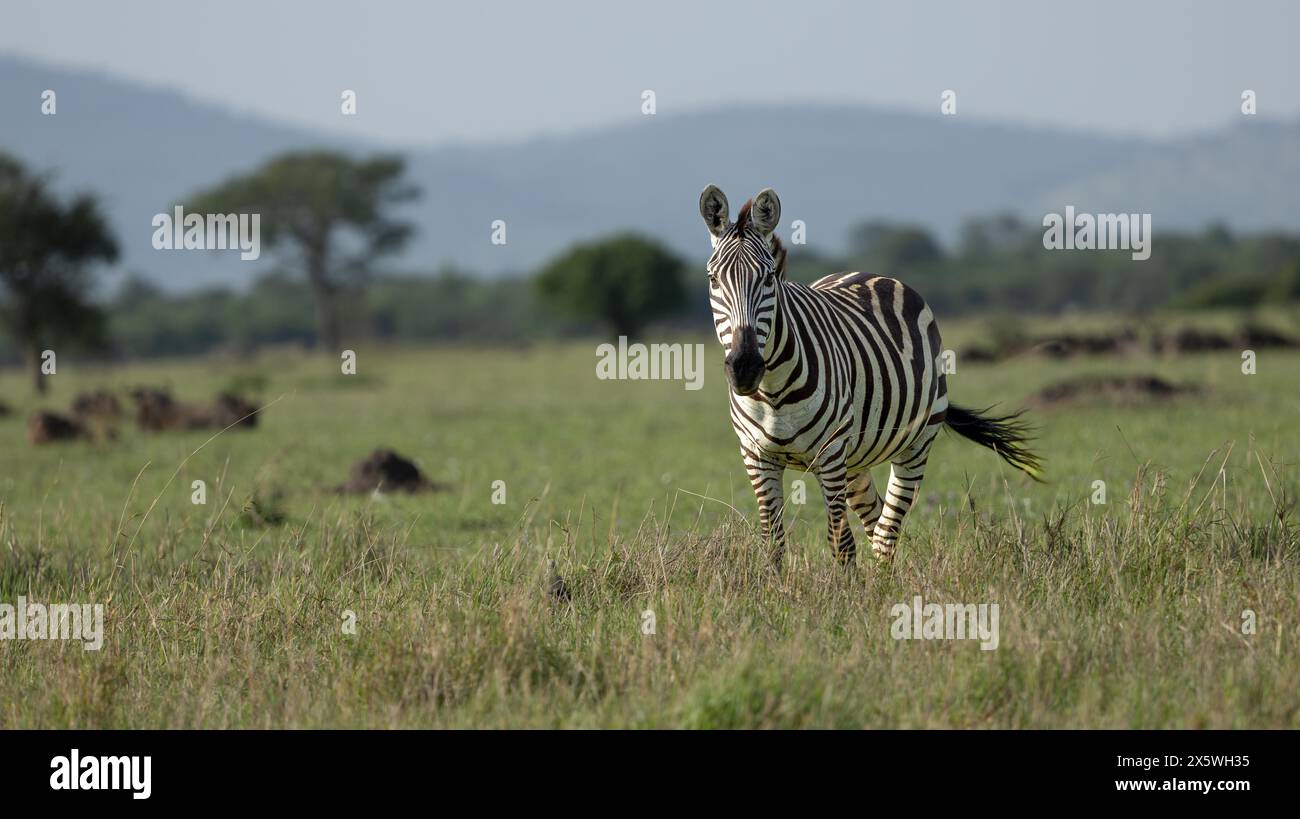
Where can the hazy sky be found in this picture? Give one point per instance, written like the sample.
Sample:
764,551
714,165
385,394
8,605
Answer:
432,72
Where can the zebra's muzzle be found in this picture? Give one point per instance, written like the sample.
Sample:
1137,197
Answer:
744,364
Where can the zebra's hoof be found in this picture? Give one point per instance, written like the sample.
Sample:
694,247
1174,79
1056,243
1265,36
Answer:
883,557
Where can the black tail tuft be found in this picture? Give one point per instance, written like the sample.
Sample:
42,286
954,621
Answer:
1005,435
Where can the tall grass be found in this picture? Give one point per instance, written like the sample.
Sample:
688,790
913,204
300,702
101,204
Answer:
1127,613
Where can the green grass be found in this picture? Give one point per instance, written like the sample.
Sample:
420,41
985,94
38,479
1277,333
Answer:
1123,614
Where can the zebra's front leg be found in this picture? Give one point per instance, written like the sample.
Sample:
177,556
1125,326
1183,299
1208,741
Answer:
766,478
905,478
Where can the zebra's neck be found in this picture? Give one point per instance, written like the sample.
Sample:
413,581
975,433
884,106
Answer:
784,351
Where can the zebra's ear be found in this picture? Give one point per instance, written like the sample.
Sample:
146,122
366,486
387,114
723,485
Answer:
766,212
715,210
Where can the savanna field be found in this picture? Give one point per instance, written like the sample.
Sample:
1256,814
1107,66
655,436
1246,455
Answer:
230,614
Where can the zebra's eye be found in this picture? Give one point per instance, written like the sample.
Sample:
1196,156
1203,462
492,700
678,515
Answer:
713,280
771,277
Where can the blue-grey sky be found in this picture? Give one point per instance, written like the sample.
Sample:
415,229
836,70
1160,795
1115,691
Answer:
435,72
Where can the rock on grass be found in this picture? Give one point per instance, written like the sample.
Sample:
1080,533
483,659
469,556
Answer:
385,470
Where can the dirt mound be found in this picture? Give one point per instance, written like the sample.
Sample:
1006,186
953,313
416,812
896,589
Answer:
1255,337
1069,345
48,427
1127,340
1191,340
1247,337
97,405
1064,345
1113,389
981,355
385,469
156,410
230,408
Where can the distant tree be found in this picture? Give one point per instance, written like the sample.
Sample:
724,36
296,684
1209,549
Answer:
625,281
1224,291
809,265
1285,286
46,250
985,235
891,249
136,289
332,213
1218,234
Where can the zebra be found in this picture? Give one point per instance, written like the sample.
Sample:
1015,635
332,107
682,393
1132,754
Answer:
832,378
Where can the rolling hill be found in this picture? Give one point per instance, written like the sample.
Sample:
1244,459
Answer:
143,149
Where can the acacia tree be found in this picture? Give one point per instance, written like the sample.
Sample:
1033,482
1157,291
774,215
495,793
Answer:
329,213
46,251
625,281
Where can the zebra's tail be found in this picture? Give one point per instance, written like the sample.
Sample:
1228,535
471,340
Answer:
1005,435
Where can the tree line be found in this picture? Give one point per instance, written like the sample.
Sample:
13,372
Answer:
331,219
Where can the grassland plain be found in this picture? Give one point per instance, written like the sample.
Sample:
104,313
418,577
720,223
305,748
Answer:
1127,613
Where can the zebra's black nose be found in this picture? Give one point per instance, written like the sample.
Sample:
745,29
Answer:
744,364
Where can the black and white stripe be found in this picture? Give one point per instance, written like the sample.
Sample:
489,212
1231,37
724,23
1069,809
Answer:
832,378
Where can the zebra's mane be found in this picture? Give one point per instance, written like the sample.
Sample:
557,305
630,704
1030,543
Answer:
742,219
779,253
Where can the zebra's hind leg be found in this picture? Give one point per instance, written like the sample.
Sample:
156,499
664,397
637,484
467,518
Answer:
835,489
865,501
766,477
905,475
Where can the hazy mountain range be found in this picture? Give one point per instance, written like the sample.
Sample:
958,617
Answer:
143,149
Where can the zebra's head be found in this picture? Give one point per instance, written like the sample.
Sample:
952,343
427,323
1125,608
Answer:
744,270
